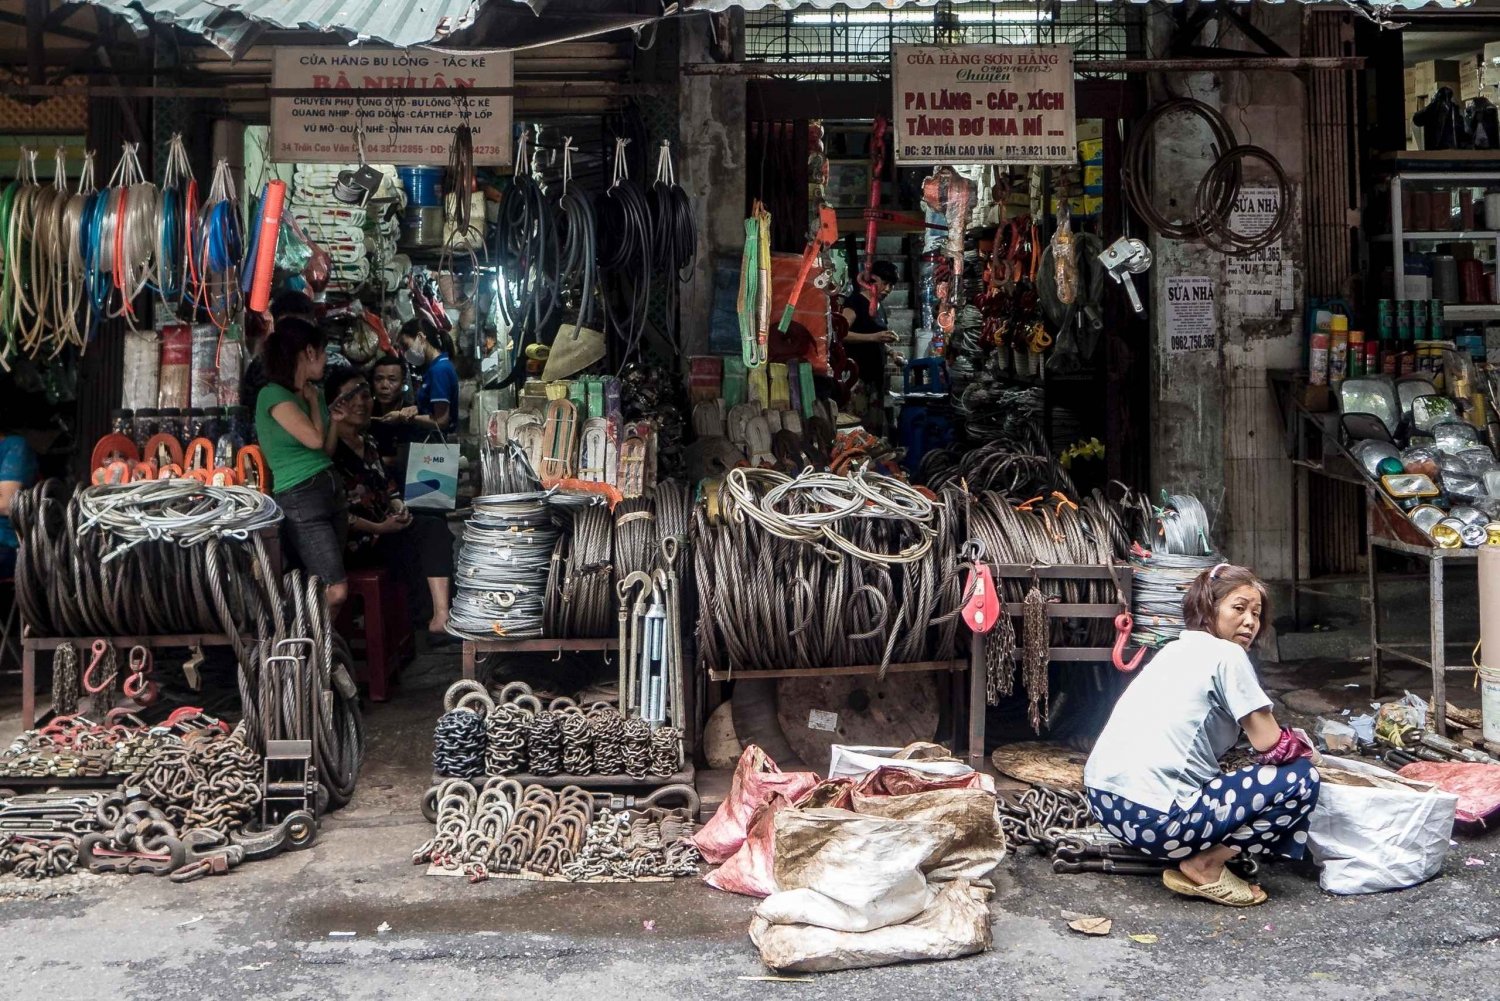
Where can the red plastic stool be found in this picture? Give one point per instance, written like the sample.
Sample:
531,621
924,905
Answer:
387,636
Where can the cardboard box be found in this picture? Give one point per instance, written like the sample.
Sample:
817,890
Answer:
1492,58
1410,77
1088,128
1470,76
1435,73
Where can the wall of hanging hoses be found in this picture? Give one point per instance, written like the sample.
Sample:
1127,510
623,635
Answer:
174,557
594,260
823,570
548,564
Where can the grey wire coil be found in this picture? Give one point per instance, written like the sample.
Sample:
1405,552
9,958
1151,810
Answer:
501,573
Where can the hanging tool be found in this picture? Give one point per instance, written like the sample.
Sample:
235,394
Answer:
827,234
872,219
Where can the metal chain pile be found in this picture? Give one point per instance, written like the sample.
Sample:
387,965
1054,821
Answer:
207,780
1039,813
637,845
65,680
479,736
77,747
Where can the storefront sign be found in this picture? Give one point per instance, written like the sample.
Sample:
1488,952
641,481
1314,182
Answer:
1257,284
983,104
410,120
1192,324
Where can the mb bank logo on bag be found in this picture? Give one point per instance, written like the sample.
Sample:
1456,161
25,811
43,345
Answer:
432,476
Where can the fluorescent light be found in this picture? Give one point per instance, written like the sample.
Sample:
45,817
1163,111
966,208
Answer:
983,14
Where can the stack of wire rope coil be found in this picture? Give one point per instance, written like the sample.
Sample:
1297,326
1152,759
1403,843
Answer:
176,557
504,561
1178,549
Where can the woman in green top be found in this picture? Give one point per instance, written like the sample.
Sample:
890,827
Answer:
298,433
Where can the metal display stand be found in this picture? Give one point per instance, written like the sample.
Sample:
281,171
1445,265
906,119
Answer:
1390,530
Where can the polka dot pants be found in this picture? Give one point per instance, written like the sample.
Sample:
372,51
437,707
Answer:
1263,809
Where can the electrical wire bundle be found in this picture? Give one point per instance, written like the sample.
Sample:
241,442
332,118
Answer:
501,579
74,578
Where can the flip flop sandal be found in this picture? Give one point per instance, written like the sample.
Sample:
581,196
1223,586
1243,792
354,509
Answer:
1228,889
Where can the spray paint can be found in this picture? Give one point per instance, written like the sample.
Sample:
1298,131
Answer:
1338,351
1317,358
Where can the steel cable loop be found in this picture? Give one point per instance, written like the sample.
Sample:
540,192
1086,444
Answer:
1135,169
637,544
1223,178
589,604
162,560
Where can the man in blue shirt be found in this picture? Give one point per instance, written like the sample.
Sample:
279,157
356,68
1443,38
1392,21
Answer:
17,472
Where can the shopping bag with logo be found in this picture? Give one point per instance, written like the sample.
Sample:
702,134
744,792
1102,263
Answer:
432,476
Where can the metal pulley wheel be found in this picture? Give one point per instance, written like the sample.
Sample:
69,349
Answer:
816,713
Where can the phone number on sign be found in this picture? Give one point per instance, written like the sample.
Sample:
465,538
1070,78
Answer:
1004,152
1192,342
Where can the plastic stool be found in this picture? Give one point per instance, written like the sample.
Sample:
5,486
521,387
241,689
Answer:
387,637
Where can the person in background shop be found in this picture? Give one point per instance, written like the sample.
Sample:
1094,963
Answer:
382,532
869,333
297,435
17,472
388,384
429,351
1153,779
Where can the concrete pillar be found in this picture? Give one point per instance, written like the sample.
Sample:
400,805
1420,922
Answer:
1216,432
712,172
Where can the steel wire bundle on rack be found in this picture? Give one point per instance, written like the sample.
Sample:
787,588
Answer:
85,568
505,828
826,570
501,578
580,587
1178,550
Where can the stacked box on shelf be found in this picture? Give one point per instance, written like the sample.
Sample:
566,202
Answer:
358,239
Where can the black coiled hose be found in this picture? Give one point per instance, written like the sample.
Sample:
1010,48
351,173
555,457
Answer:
625,263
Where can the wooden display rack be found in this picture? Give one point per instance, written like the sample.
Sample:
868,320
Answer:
122,644
1119,573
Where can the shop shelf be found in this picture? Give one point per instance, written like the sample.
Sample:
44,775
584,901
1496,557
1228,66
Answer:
1462,314
1443,236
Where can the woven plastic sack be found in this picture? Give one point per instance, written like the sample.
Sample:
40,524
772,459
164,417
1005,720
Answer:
756,780
750,870
980,845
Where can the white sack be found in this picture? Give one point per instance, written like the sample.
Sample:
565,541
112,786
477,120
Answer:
957,923
1369,840
853,761
848,872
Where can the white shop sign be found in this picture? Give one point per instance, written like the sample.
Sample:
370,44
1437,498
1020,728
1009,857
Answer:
1192,324
409,117
983,104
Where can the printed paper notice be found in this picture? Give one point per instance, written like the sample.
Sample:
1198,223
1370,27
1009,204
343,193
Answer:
1192,324
822,719
983,104
1257,284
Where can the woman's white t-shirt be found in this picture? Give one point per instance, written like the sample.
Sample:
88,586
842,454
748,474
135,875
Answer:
1163,741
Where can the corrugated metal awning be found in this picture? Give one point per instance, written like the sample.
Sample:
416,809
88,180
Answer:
792,5
233,24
